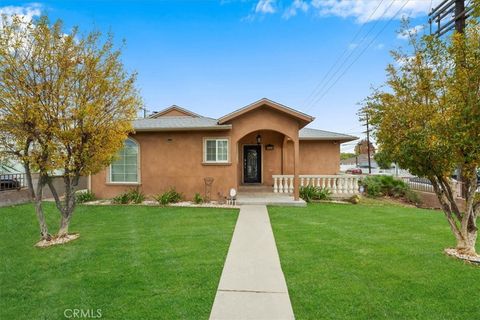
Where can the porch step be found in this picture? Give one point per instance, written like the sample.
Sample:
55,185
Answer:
268,198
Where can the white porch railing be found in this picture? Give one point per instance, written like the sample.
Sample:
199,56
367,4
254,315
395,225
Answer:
283,183
337,184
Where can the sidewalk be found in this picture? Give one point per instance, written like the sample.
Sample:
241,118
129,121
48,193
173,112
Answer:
252,285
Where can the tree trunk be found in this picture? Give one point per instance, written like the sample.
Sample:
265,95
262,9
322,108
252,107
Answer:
67,206
466,245
36,195
462,224
64,223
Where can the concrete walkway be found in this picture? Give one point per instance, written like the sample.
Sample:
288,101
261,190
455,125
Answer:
252,285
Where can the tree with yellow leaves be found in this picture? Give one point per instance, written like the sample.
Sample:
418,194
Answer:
66,103
427,119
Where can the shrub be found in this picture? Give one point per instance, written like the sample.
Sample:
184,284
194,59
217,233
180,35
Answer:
372,185
121,199
170,196
412,197
323,194
133,195
376,186
197,198
136,196
309,193
84,196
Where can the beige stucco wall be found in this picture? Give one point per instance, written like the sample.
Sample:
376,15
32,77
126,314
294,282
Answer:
319,157
175,159
172,160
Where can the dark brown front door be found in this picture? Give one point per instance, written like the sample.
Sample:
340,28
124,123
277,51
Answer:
252,164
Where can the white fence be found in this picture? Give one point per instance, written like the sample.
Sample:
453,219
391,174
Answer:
422,184
419,184
337,184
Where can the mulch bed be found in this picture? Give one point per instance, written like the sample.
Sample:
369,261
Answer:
57,240
471,259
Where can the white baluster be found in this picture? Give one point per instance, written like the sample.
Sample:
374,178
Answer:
290,189
302,180
280,185
323,183
275,184
334,185
317,182
340,185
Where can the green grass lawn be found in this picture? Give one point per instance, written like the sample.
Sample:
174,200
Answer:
131,262
372,262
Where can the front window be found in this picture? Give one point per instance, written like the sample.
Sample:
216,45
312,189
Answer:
216,150
125,168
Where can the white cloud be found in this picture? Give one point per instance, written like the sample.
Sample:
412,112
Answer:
379,46
404,35
362,10
266,6
26,13
21,39
297,5
404,60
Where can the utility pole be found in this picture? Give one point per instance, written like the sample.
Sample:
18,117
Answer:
460,16
144,111
363,116
368,144
449,15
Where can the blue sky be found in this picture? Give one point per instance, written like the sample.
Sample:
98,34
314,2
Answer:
216,56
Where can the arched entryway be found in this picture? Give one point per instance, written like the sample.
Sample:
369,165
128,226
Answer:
262,154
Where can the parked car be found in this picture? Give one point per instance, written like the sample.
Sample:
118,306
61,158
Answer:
9,183
354,171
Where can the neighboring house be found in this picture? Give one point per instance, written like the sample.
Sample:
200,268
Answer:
178,148
359,161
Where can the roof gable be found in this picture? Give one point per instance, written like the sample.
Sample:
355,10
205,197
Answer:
302,117
174,111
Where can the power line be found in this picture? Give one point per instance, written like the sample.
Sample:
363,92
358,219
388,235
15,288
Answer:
358,57
321,83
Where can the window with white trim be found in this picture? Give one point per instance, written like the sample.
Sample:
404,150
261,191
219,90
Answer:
125,168
216,150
